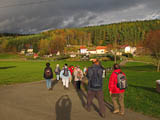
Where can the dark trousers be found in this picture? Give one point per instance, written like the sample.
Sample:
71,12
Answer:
78,85
100,98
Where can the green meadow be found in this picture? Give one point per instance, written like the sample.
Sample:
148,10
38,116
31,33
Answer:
140,95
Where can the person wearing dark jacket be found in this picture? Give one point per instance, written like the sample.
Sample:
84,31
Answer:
95,80
115,92
48,75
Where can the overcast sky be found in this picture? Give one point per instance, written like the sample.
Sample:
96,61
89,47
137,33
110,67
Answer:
32,16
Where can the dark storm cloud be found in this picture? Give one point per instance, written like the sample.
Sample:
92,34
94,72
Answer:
34,16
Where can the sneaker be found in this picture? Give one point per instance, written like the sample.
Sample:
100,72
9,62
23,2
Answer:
102,115
116,111
121,113
87,108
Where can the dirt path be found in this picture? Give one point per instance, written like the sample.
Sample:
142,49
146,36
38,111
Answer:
32,101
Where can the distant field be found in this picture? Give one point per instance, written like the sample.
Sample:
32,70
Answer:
140,95
143,58
8,56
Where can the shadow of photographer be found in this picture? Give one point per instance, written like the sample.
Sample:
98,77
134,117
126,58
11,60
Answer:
63,108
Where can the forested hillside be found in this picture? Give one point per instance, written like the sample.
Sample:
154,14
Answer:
131,33
125,33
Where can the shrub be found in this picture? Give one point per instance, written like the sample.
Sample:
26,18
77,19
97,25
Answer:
104,59
111,56
129,55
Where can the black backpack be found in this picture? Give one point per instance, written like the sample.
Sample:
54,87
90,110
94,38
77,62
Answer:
48,73
121,81
95,77
65,73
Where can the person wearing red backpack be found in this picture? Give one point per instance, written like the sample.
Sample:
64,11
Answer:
115,92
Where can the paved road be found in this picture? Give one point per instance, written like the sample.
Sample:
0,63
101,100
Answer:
32,101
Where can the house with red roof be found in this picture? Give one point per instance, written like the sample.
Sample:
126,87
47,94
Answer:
83,50
101,49
92,51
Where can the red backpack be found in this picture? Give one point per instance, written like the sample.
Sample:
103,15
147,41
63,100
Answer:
48,72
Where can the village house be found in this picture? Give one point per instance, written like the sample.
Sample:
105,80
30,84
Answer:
35,55
22,51
101,49
83,50
129,49
92,52
30,51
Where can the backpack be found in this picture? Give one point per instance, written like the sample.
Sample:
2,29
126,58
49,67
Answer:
56,70
79,74
121,81
95,77
48,73
65,73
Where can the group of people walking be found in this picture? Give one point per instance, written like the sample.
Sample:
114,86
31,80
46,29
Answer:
66,74
95,75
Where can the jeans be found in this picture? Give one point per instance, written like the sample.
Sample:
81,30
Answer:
58,77
48,83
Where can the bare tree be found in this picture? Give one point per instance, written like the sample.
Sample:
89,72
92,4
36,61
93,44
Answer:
152,43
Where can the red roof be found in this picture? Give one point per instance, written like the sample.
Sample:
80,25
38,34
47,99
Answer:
101,47
91,50
83,47
123,46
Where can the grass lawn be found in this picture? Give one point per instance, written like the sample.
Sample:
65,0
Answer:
140,95
143,59
8,56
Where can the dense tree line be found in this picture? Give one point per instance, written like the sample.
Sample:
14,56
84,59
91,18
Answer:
131,33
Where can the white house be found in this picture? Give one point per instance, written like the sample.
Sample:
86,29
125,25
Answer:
22,51
29,50
83,50
58,53
101,49
92,52
129,49
73,55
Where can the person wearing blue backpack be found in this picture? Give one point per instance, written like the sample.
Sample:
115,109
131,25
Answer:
95,80
65,74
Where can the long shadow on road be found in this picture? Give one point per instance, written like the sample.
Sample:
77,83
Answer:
63,108
54,82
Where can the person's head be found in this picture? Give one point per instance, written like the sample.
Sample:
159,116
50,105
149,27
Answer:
116,66
65,65
47,64
95,61
57,65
